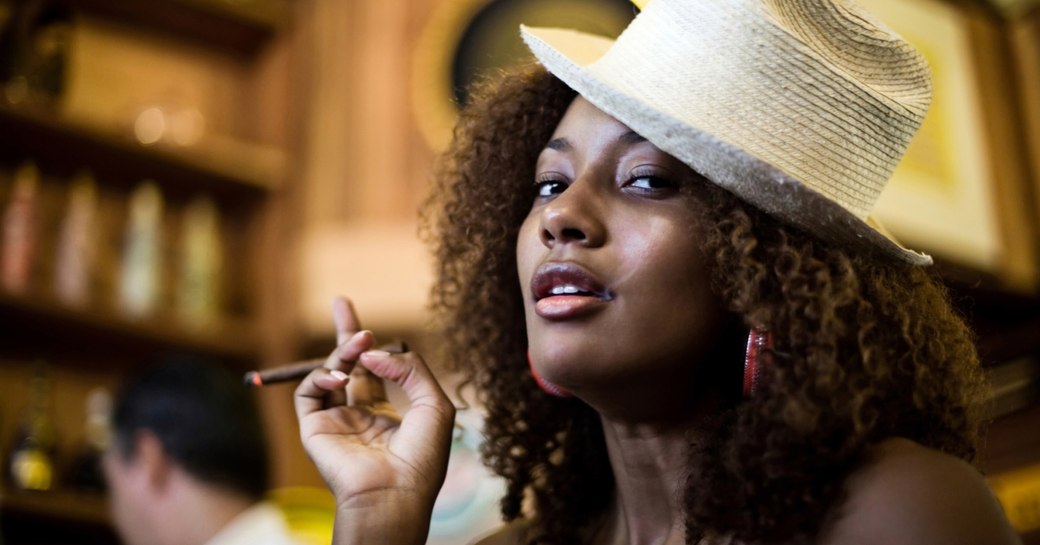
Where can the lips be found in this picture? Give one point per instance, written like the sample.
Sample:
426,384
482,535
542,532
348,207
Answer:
555,279
565,290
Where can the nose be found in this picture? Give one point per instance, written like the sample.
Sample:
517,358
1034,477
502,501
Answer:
573,217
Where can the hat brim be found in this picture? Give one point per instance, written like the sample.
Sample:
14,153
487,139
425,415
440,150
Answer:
567,54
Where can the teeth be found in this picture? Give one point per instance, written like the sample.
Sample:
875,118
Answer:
564,290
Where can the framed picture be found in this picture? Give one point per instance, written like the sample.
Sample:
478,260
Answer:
961,192
1024,34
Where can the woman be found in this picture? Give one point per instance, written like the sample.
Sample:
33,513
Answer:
657,269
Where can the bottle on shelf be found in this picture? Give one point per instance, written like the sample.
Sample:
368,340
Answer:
85,471
30,464
20,229
35,66
198,283
140,282
77,241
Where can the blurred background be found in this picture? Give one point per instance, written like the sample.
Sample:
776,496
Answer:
203,176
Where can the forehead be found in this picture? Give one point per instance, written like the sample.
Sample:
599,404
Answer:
588,133
584,120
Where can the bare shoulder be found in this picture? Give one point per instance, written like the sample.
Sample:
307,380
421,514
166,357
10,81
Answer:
906,493
512,533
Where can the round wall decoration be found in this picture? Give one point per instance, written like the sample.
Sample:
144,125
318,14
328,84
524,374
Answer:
466,39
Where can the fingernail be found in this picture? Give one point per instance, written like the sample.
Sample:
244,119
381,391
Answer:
376,353
359,333
338,374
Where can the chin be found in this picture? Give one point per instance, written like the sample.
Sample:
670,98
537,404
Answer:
576,369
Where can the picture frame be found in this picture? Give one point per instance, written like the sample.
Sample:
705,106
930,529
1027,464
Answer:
962,193
1024,35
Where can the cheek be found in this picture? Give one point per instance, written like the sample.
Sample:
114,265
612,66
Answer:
120,484
670,276
666,252
529,248
116,489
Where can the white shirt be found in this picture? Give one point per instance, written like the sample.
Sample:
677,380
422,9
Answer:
261,524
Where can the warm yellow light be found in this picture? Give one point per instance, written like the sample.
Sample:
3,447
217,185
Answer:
150,126
641,4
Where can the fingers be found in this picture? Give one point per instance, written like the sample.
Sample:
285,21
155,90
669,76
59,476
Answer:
345,319
346,354
431,416
325,387
313,393
364,388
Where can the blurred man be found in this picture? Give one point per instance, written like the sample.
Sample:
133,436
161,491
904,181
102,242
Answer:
188,461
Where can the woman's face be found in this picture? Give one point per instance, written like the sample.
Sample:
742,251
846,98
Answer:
615,284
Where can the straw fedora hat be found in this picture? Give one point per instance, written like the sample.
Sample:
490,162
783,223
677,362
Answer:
802,108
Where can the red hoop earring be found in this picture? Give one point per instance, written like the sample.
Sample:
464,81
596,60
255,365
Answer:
759,340
554,390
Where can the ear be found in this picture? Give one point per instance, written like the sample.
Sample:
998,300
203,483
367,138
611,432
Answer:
151,459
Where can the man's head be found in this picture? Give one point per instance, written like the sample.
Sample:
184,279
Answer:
182,417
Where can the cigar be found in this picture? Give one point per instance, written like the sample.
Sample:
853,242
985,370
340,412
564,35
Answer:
298,370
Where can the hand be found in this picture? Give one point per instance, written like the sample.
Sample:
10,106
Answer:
384,471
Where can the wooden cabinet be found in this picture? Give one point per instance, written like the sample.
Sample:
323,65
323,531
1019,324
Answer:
229,65
37,323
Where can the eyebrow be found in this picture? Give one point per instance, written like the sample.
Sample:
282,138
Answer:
562,144
558,144
631,137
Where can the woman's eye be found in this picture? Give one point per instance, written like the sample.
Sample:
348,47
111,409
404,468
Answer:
650,183
549,188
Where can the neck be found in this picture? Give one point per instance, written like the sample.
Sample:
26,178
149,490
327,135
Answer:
648,426
649,466
649,455
208,508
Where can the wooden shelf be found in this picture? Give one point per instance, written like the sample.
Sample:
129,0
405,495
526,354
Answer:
57,516
63,505
228,170
236,58
241,27
39,325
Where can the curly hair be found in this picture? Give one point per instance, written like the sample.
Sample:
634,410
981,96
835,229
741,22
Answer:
864,349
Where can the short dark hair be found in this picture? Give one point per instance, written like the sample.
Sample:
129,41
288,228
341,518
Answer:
207,421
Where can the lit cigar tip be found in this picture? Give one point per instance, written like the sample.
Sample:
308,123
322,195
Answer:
253,378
